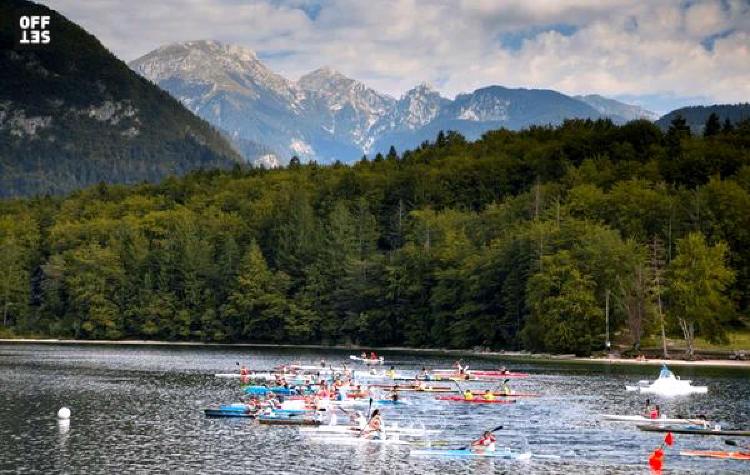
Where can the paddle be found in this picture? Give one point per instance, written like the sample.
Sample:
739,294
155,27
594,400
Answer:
497,389
369,408
493,430
734,443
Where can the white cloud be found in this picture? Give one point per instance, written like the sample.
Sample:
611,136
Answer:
619,47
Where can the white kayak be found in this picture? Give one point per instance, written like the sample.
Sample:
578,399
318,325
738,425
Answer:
311,368
344,439
469,453
379,360
661,420
341,429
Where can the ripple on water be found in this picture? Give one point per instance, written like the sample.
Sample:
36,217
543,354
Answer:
137,409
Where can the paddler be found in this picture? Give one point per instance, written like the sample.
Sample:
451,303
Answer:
655,412
391,373
488,396
363,355
272,401
506,389
244,371
485,443
374,428
468,395
394,394
373,356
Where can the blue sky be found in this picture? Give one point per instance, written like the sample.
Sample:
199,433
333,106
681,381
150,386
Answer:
661,54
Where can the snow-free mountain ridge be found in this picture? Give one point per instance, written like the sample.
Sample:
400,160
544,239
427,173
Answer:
326,116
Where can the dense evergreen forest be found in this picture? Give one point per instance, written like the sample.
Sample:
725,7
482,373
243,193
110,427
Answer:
516,240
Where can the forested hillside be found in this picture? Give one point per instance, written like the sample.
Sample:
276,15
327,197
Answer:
513,241
72,115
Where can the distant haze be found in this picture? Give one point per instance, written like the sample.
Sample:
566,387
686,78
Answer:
660,55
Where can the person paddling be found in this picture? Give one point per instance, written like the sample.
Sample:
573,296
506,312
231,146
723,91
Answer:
374,427
391,372
244,371
394,394
468,395
506,389
488,396
485,443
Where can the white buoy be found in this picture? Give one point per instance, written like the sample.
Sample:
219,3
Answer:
63,413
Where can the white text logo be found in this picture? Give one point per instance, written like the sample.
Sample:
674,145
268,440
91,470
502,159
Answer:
34,30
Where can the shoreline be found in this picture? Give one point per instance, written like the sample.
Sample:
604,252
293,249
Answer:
505,355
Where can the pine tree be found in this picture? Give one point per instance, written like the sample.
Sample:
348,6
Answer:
727,127
392,155
713,125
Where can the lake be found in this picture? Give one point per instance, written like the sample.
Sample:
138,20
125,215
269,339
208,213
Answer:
138,409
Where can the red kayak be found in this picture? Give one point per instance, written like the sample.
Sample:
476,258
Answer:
478,400
512,395
498,374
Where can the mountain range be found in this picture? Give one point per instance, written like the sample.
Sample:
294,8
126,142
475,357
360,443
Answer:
326,116
72,114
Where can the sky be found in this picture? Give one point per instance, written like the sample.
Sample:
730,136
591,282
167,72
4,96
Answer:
661,54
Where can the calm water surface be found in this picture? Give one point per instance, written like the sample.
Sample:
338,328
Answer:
138,410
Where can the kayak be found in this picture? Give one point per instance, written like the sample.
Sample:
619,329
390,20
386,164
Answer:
662,420
503,453
361,402
287,421
414,387
717,454
475,401
341,429
512,394
380,360
344,439
483,373
213,412
262,391
696,430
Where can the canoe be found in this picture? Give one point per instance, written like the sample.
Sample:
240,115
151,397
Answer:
468,453
663,420
287,421
694,430
717,454
475,401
